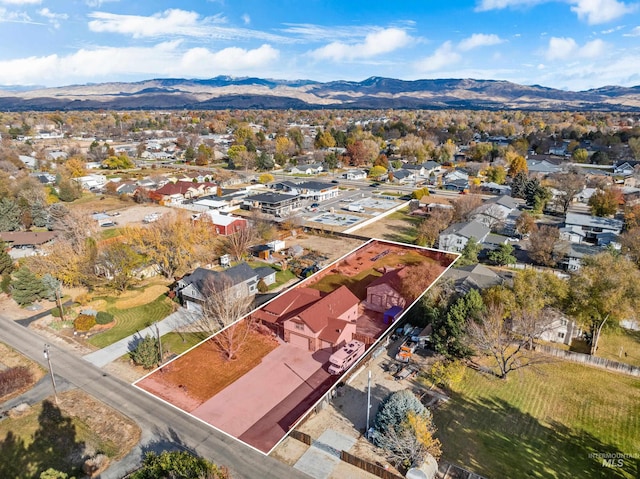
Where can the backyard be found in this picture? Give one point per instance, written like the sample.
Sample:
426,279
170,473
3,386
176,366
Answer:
398,226
543,422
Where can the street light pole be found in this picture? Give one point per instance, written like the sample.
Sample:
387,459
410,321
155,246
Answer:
366,432
47,356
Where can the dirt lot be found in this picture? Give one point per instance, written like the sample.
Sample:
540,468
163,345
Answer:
346,413
330,246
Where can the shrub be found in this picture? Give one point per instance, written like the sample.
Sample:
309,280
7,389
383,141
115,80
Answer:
13,379
83,298
55,312
103,317
5,284
84,322
146,353
262,286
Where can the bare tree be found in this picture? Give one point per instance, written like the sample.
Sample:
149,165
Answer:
463,207
568,185
430,228
238,243
508,342
542,246
223,306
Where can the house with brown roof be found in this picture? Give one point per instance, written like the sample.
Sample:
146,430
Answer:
385,292
181,190
309,319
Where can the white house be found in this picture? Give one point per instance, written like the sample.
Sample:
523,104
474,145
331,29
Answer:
592,226
456,236
355,175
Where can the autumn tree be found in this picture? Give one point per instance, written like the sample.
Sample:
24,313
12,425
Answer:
404,429
525,223
517,164
580,155
605,202
173,464
416,278
75,167
120,162
175,244
629,241
377,171
118,263
324,139
542,245
606,289
496,174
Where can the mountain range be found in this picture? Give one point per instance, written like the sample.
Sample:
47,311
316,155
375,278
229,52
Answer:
224,92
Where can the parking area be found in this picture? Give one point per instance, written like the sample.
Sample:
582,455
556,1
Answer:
336,219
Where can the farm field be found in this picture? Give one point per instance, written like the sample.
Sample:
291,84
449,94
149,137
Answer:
545,421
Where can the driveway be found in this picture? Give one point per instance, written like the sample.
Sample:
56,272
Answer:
284,371
176,320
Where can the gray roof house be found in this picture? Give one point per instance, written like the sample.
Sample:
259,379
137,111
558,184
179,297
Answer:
241,280
475,276
456,236
495,212
592,226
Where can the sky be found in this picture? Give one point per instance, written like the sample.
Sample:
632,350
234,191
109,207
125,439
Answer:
567,44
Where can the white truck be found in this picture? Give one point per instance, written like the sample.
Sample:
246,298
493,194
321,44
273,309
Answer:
356,208
150,218
344,357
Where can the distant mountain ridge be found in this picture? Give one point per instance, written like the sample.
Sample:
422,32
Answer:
373,93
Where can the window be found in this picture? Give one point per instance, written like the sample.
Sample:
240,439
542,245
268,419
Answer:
561,335
299,327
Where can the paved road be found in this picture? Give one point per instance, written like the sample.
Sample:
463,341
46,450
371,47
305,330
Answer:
104,356
163,427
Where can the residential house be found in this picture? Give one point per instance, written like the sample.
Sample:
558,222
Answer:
90,182
309,319
29,161
275,204
225,224
326,324
177,193
494,213
570,255
312,169
404,176
316,190
475,276
625,168
355,175
572,234
456,236
592,226
26,243
561,329
239,280
385,292
417,170
542,167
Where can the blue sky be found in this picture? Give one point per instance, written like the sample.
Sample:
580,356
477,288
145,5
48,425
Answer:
568,44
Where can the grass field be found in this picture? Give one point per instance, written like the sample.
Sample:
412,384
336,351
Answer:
130,320
282,277
543,423
178,343
621,345
57,436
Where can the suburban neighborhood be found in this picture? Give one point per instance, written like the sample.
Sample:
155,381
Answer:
289,286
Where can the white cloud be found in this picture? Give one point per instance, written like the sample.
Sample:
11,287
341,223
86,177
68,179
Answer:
479,40
174,22
600,11
486,5
612,30
593,11
375,43
54,18
163,59
635,32
442,57
246,19
14,17
564,48
98,3
21,2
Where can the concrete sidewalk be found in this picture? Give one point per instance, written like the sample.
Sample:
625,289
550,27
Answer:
176,320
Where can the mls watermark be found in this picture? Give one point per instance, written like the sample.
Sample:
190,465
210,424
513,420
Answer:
614,459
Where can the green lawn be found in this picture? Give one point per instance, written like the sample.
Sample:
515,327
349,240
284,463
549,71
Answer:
178,343
543,423
616,342
128,321
281,276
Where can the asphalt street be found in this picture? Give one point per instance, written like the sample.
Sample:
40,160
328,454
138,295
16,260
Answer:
163,426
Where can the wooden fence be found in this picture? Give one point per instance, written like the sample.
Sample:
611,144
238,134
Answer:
301,436
595,361
368,466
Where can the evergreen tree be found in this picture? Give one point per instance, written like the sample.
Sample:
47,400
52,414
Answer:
26,287
503,255
518,185
9,215
147,352
470,253
6,262
449,328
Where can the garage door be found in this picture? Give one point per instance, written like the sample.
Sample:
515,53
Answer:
299,341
